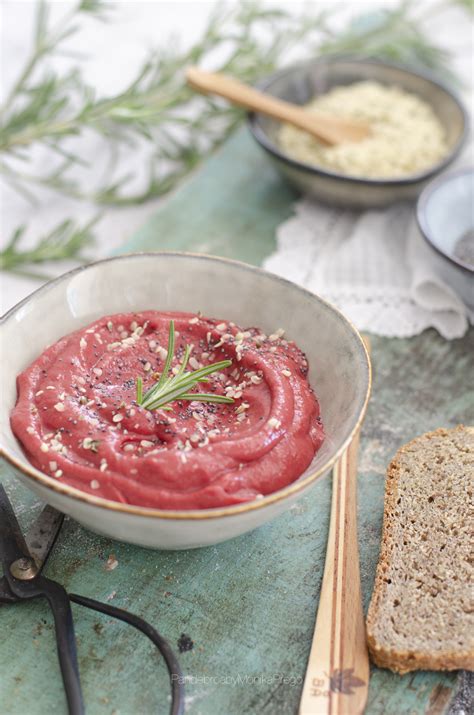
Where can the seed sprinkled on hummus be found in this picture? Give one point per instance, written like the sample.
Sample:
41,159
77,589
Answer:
241,408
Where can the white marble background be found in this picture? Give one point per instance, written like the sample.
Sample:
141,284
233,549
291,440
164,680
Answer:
112,54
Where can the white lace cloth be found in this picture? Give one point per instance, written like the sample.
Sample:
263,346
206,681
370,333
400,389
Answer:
371,265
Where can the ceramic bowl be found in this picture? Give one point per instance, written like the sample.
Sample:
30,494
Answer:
445,216
339,372
301,83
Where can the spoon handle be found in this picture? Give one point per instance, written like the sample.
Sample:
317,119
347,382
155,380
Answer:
337,675
330,130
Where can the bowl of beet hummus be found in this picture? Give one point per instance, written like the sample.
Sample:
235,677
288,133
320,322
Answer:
176,400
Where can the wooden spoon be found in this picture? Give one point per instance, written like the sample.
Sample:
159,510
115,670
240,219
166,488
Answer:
330,130
337,674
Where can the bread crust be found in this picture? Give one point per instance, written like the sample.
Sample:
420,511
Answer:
404,661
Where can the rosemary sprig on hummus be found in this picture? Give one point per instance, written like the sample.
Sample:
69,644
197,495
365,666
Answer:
176,387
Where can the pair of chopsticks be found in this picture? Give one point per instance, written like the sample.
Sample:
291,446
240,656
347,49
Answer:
337,674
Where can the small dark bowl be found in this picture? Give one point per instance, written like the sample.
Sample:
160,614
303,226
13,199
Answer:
301,83
445,214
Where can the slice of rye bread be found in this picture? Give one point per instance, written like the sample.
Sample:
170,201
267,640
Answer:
421,615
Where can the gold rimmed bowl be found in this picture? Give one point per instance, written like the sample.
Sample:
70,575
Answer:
339,373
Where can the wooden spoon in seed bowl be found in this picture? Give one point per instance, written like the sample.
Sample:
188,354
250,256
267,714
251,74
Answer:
327,129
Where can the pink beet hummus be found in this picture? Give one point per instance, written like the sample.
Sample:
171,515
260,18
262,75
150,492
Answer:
78,421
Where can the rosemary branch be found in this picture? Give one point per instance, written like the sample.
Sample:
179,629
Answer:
64,242
176,387
156,107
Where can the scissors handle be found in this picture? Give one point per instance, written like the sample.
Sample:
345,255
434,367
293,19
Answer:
66,643
22,562
59,602
174,670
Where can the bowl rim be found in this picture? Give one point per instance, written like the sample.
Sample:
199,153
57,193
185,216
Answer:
262,137
182,514
422,215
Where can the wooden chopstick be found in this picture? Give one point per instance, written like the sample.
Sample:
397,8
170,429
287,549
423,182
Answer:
337,675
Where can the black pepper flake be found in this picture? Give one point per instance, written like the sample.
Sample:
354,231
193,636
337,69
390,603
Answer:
185,643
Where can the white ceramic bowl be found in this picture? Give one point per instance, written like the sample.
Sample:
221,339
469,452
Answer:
445,214
339,372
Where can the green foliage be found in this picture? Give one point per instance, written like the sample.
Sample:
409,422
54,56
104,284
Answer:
390,35
466,4
47,108
157,107
65,242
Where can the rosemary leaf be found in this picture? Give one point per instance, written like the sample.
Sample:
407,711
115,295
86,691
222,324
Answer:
139,390
169,357
206,397
174,387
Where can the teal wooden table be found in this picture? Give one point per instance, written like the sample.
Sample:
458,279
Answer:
249,604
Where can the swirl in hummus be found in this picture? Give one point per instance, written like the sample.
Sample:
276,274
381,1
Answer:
78,420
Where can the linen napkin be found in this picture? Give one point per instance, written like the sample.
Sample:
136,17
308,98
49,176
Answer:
372,265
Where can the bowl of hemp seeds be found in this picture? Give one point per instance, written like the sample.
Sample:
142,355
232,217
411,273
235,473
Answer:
417,127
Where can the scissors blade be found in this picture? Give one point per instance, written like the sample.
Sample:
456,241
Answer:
42,534
12,543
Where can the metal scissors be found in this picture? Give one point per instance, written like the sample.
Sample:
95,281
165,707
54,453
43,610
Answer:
23,559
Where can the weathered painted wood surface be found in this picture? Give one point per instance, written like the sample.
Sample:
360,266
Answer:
249,604
231,208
